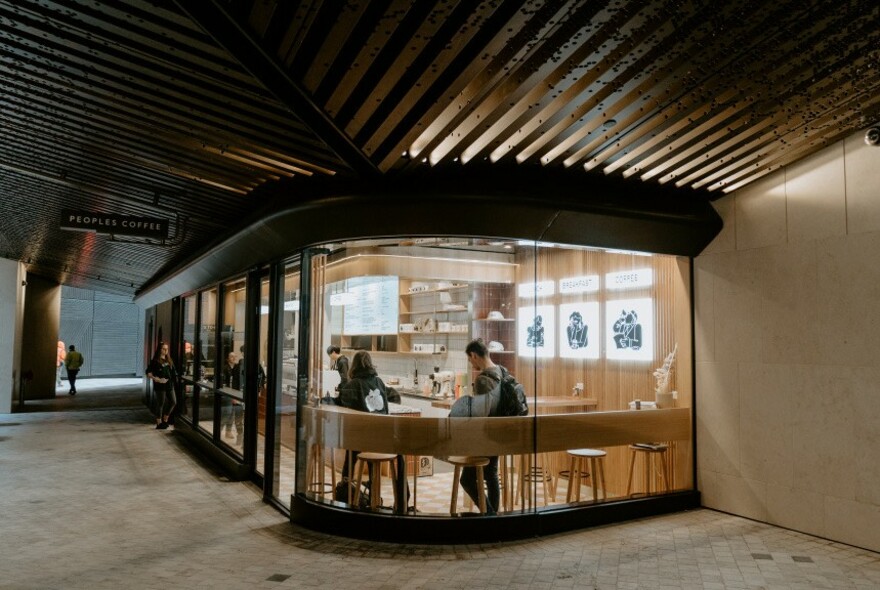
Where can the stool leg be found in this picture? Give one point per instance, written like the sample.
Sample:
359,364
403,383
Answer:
664,470
593,478
632,466
392,467
602,477
375,485
648,462
481,490
571,479
319,468
333,471
349,475
360,478
453,505
417,460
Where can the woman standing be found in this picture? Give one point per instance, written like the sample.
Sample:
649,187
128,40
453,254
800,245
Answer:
161,372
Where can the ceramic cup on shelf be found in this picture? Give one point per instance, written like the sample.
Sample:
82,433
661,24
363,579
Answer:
666,400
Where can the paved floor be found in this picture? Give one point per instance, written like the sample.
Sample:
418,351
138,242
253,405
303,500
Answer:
98,498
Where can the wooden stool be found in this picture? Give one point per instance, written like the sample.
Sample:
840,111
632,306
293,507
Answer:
535,468
458,463
597,473
651,454
315,476
370,460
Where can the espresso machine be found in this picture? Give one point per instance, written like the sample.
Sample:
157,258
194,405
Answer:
441,382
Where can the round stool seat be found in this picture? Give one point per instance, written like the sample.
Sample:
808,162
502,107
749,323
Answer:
576,472
460,461
587,453
376,456
651,449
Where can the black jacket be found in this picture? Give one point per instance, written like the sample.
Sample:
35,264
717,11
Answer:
366,393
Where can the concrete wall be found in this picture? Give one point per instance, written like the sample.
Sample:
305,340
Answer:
12,275
107,329
788,349
40,336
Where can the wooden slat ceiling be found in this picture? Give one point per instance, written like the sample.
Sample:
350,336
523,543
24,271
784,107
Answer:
181,109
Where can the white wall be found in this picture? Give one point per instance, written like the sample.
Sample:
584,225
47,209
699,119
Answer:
787,320
12,274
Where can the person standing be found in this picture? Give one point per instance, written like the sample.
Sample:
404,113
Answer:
59,362
73,361
231,410
339,363
161,372
488,379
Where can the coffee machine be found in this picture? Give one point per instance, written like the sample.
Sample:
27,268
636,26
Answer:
441,382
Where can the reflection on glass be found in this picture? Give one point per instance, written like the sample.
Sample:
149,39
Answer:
263,358
232,373
285,426
189,336
205,355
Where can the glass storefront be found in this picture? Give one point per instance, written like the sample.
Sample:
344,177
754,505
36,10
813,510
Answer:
586,332
385,408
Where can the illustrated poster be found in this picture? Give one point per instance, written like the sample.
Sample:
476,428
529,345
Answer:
629,329
580,334
537,331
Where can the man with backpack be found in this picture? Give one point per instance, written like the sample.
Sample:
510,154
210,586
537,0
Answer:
486,381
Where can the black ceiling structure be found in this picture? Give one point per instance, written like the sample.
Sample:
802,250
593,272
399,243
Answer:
194,110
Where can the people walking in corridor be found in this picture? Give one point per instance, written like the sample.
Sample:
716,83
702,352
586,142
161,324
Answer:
164,377
73,361
59,362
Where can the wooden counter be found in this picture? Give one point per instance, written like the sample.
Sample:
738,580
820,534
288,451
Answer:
542,405
341,428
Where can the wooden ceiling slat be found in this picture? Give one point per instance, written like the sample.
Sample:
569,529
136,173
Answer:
459,71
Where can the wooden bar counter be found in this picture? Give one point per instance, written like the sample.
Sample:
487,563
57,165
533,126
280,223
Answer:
543,405
341,428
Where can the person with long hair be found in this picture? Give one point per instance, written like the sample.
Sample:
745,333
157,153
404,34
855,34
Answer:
366,392
164,377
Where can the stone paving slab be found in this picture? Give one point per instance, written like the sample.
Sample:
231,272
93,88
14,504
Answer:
100,499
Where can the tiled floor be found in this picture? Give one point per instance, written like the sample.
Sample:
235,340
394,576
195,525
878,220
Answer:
100,499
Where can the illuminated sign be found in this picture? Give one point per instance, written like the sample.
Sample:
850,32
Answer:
118,225
585,284
629,329
629,279
580,333
541,289
537,331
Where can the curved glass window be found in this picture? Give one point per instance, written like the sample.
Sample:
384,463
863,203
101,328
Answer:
410,338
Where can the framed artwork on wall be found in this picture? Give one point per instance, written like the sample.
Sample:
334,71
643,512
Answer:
537,331
629,329
580,334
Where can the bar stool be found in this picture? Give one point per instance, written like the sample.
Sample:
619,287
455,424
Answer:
575,469
535,468
651,454
373,462
458,463
315,474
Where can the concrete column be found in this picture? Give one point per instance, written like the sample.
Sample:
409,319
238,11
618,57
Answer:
42,311
12,275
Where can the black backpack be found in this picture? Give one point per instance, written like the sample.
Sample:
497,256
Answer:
512,396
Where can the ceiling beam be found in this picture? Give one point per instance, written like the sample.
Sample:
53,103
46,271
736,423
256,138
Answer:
244,47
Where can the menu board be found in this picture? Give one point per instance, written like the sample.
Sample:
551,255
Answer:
372,306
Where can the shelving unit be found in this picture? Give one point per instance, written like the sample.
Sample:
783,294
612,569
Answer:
496,297
431,315
433,320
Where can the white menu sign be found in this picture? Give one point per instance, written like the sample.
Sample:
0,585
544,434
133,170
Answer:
373,307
